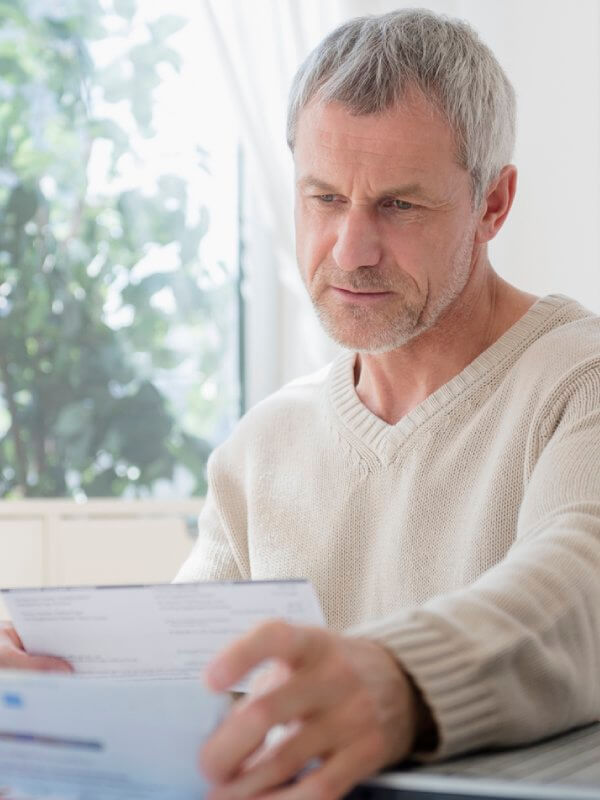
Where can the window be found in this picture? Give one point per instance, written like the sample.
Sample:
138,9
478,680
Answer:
118,253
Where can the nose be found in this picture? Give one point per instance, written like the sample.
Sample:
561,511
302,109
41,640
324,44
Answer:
358,242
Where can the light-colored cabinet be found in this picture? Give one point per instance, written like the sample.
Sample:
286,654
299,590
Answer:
101,542
21,552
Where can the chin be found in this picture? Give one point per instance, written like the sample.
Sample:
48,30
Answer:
369,331
373,343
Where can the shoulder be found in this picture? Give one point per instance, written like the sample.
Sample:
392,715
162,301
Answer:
298,399
573,334
567,346
293,413
560,368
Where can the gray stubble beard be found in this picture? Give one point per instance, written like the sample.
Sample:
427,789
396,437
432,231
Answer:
417,316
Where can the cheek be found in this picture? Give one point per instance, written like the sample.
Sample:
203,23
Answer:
457,246
425,246
411,247
314,242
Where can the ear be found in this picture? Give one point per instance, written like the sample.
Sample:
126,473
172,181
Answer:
497,204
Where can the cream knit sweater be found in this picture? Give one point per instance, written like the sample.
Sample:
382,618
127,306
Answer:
466,538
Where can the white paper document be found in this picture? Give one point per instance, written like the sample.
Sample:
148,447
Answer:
158,632
89,739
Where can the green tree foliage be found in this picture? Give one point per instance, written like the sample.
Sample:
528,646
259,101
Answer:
81,409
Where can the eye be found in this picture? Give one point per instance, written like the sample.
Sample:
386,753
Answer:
326,198
399,205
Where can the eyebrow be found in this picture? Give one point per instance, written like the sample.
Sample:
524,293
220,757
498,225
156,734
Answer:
411,189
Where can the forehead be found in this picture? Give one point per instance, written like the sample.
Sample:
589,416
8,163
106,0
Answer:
411,141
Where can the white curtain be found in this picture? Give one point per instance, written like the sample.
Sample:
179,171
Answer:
551,242
260,45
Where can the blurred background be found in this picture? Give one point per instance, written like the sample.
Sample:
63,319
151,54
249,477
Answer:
148,288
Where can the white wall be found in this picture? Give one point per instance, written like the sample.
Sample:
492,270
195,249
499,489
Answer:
551,52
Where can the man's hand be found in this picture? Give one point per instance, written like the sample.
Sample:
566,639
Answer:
350,704
13,655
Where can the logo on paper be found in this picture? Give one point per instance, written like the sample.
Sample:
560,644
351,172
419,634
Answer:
12,700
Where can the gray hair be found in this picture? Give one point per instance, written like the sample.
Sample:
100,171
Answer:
369,63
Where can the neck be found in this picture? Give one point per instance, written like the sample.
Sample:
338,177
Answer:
392,384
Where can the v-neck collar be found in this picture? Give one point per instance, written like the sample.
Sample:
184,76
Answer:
372,435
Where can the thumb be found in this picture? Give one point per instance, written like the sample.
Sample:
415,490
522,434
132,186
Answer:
49,664
17,659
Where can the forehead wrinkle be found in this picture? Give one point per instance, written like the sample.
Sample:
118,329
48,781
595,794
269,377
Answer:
363,158
358,152
362,144
397,160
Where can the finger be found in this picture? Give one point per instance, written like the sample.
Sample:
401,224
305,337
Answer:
47,664
269,678
307,693
14,637
277,764
17,659
336,776
275,639
14,656
332,727
237,737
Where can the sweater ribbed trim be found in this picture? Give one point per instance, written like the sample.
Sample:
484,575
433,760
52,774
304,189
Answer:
367,431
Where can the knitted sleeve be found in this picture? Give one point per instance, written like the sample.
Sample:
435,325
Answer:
213,558
515,656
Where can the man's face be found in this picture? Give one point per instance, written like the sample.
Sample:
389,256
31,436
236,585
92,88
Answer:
384,223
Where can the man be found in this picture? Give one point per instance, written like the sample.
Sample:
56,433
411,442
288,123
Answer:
439,483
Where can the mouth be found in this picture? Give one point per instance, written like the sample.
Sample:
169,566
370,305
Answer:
364,296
